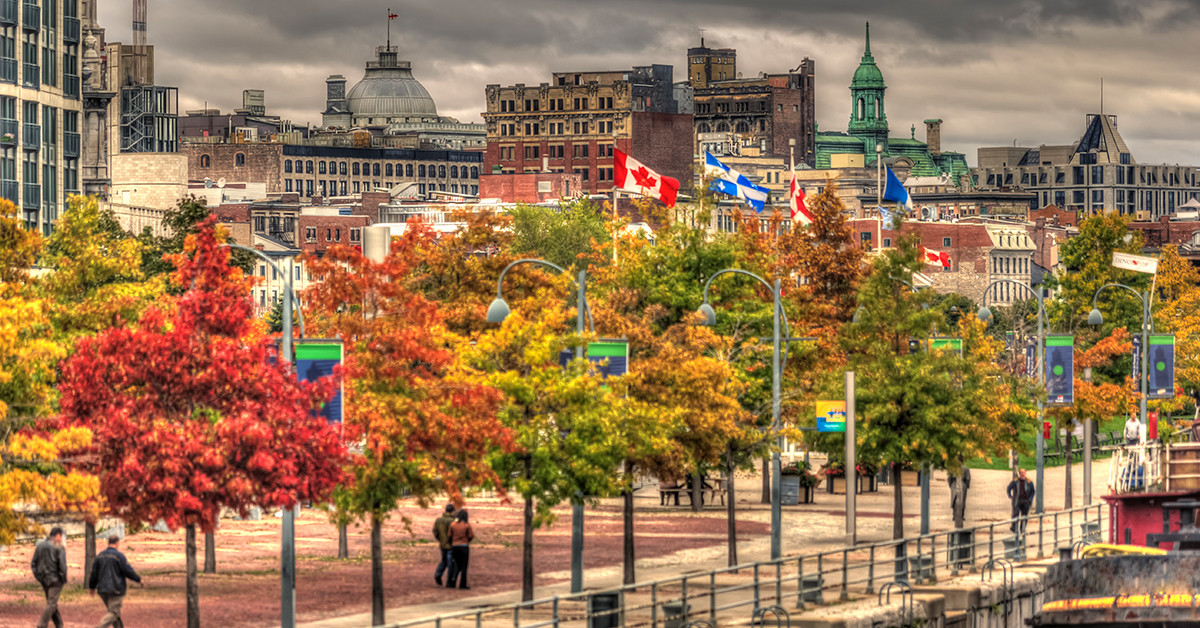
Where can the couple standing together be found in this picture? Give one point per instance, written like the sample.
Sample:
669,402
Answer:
454,535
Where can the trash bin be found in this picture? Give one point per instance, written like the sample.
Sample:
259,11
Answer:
674,614
962,548
600,603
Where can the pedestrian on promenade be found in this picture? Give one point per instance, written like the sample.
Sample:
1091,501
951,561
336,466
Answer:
441,532
1133,430
1020,492
461,536
109,572
49,567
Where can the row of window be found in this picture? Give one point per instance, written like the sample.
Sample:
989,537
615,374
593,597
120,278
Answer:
36,147
578,127
1010,265
556,104
375,169
332,235
1122,175
308,187
555,151
39,62
722,127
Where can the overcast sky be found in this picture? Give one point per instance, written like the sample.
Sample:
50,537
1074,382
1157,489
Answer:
995,71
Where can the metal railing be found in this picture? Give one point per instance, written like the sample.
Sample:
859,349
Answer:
70,30
31,138
31,76
10,190
8,70
31,17
71,86
1136,469
795,581
71,143
8,11
32,197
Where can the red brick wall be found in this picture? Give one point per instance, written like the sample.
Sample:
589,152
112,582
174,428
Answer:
232,212
264,163
663,141
522,188
787,124
331,223
1051,213
370,205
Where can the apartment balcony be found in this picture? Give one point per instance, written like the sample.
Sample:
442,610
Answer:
9,133
70,145
32,136
10,190
32,198
32,76
71,86
31,17
8,70
8,12
71,30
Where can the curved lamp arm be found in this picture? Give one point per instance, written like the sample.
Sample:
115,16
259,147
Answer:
985,313
265,258
499,309
711,315
1096,310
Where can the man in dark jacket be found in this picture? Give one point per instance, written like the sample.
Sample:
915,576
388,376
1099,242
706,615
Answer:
109,572
441,532
49,567
1020,492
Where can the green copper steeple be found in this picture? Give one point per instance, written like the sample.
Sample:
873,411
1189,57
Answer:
867,117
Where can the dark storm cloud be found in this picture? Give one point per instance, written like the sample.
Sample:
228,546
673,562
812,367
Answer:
993,70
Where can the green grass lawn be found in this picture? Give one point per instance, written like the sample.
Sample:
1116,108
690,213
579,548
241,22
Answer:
1029,460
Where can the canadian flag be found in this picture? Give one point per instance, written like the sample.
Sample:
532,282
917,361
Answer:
800,213
935,258
635,177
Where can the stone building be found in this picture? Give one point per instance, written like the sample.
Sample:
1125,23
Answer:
764,111
330,171
389,101
572,123
1096,173
40,108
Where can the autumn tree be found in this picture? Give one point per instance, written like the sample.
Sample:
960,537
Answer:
1177,310
192,413
561,235
426,428
178,223
1086,262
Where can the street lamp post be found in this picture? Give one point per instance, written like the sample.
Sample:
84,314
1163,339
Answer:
710,319
1096,318
496,313
984,315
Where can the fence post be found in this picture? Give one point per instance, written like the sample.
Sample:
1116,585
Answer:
1070,526
555,616
933,556
871,572
778,583
918,578
757,594
991,542
654,605
1041,540
800,581
684,603
517,616
845,575
712,596
1056,531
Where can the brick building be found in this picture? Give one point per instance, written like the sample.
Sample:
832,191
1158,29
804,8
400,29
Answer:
572,123
764,111
535,187
1055,216
335,171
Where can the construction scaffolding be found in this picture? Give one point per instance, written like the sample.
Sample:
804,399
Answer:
149,119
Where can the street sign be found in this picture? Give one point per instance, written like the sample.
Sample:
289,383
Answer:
316,359
1136,263
613,353
1060,370
831,416
949,344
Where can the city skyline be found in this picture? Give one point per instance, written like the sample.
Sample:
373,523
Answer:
1008,71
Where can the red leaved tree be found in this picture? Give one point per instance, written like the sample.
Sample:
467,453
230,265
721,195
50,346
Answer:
191,413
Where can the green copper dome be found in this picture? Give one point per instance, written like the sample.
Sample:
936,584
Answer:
867,75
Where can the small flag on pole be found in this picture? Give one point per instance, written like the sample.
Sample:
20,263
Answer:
800,213
392,16
935,258
635,177
730,182
894,191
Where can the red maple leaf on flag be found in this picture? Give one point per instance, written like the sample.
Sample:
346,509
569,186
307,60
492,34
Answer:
644,177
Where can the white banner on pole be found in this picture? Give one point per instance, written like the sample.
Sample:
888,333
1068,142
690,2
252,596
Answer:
1136,263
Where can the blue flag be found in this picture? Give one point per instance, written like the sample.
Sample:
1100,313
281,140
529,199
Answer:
895,191
888,216
730,182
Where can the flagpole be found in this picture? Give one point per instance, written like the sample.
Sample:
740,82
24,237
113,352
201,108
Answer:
614,201
879,175
792,182
389,37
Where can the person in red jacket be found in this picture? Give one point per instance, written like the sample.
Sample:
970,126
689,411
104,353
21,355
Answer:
461,536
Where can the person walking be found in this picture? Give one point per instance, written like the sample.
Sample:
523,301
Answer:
49,567
1133,430
441,532
109,573
461,536
1020,492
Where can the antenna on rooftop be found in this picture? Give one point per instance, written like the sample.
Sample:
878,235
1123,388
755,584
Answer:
1101,95
139,42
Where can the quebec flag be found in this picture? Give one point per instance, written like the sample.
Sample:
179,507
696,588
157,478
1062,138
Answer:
895,191
730,182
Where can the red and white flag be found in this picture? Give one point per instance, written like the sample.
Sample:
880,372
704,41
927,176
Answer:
800,213
935,258
633,176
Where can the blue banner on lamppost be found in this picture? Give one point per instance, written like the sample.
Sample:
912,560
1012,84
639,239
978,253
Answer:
1030,357
1137,361
1060,370
1162,366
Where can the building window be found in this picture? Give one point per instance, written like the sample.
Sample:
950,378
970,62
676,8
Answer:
1097,175
356,188
308,167
887,243
239,159
1078,197
387,170
320,167
356,235
1078,174
441,172
375,169
310,234
287,166
474,172
946,242
421,170
205,161
328,235
407,170
354,168
582,172
342,187
287,185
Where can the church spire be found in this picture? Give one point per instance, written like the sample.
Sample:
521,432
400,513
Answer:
867,52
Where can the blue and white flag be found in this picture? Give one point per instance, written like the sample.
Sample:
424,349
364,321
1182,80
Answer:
730,182
895,191
888,216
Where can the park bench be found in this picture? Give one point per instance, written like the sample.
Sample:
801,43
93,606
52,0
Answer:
716,490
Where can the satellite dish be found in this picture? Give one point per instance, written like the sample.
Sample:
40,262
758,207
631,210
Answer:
739,75
221,182
207,182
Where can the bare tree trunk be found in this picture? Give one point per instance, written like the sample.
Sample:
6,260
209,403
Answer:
527,554
343,543
697,491
1069,456
377,611
210,552
630,558
192,586
89,549
731,509
766,482
897,504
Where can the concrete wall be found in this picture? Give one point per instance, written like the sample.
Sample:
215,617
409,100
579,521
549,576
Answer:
154,180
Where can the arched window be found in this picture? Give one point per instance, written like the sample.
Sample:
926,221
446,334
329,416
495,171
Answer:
862,109
453,172
308,166
287,165
421,170
442,173
387,170
342,168
704,128
878,108
205,161
742,127
722,127
408,170
239,159
475,173
355,168
375,170
320,167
